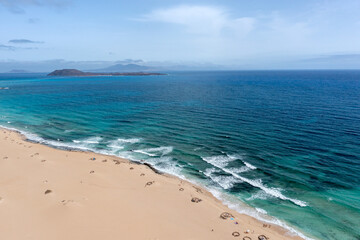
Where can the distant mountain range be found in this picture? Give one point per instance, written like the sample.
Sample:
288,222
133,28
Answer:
19,71
123,68
117,67
77,73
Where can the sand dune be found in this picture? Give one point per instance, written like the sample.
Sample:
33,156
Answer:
47,193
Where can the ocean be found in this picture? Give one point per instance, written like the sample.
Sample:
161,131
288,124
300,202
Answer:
282,146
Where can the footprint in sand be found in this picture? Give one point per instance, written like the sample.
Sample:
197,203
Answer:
196,200
246,238
48,191
143,174
116,161
266,225
104,160
149,183
131,168
43,160
226,215
91,171
5,157
181,189
236,234
263,237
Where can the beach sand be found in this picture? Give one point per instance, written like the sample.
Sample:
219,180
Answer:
47,193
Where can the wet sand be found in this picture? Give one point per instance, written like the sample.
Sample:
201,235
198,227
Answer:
47,193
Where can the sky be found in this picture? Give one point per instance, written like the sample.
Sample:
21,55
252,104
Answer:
230,34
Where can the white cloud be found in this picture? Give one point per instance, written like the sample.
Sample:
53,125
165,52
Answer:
207,20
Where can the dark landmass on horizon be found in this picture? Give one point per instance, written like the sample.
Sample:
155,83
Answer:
124,68
19,71
78,73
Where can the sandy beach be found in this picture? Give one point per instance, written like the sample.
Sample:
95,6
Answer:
47,193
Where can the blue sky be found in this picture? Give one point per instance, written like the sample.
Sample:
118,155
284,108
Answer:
235,33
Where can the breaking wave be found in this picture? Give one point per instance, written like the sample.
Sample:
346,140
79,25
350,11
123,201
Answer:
222,161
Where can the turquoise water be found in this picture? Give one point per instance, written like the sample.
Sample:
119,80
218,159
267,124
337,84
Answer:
284,144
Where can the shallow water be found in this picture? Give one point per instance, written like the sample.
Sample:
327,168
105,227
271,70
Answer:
285,143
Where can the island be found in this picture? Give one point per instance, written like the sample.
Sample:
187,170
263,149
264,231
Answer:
78,73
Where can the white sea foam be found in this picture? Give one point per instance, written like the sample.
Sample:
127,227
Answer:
165,164
260,210
115,146
241,157
152,152
249,165
59,144
259,195
120,143
128,140
145,153
240,170
255,183
220,160
226,182
87,142
90,140
260,214
209,171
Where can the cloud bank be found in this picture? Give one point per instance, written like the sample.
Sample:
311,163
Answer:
23,41
208,20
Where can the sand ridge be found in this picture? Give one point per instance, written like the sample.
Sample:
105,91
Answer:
47,193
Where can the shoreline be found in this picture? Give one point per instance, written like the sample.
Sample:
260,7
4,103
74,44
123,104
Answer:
195,207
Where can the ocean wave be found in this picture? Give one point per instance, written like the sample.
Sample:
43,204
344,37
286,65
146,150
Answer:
57,144
145,153
120,143
258,195
165,164
260,214
128,140
90,140
219,162
260,210
226,182
240,170
252,167
153,152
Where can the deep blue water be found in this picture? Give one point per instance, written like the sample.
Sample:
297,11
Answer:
286,143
